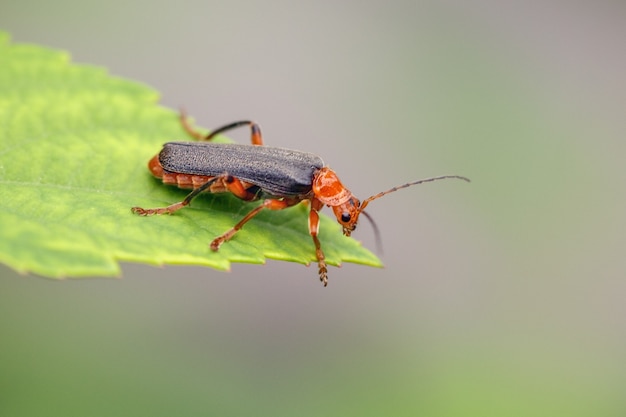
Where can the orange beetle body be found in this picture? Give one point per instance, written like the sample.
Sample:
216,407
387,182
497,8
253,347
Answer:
280,177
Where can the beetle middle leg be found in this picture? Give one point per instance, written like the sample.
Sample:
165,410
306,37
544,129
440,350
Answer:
270,204
273,204
255,130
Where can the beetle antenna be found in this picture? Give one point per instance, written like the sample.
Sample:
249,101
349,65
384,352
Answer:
408,184
379,241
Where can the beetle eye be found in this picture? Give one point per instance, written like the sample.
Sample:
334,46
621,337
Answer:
345,217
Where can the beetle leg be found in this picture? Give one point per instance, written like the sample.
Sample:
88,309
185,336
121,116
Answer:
176,206
314,221
255,130
236,187
267,204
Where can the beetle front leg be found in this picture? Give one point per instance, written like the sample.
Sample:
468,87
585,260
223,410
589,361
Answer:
255,130
314,221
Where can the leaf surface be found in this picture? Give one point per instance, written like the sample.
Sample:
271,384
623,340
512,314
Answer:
74,147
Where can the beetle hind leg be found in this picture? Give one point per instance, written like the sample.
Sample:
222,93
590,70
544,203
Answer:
255,131
176,206
159,210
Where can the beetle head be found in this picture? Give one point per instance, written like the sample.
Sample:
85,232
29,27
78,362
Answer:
347,208
330,191
347,214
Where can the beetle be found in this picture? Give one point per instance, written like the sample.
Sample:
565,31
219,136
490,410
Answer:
280,177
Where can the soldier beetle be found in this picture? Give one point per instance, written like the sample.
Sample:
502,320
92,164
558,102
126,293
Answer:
280,177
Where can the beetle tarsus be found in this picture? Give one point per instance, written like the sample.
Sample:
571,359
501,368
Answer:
323,271
159,210
144,212
216,243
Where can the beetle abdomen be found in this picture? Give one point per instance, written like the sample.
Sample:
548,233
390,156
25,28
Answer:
277,171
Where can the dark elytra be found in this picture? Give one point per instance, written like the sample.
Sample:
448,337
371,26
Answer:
277,171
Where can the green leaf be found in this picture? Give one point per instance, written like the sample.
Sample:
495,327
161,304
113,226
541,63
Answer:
74,147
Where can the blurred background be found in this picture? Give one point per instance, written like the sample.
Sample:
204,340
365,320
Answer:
503,297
